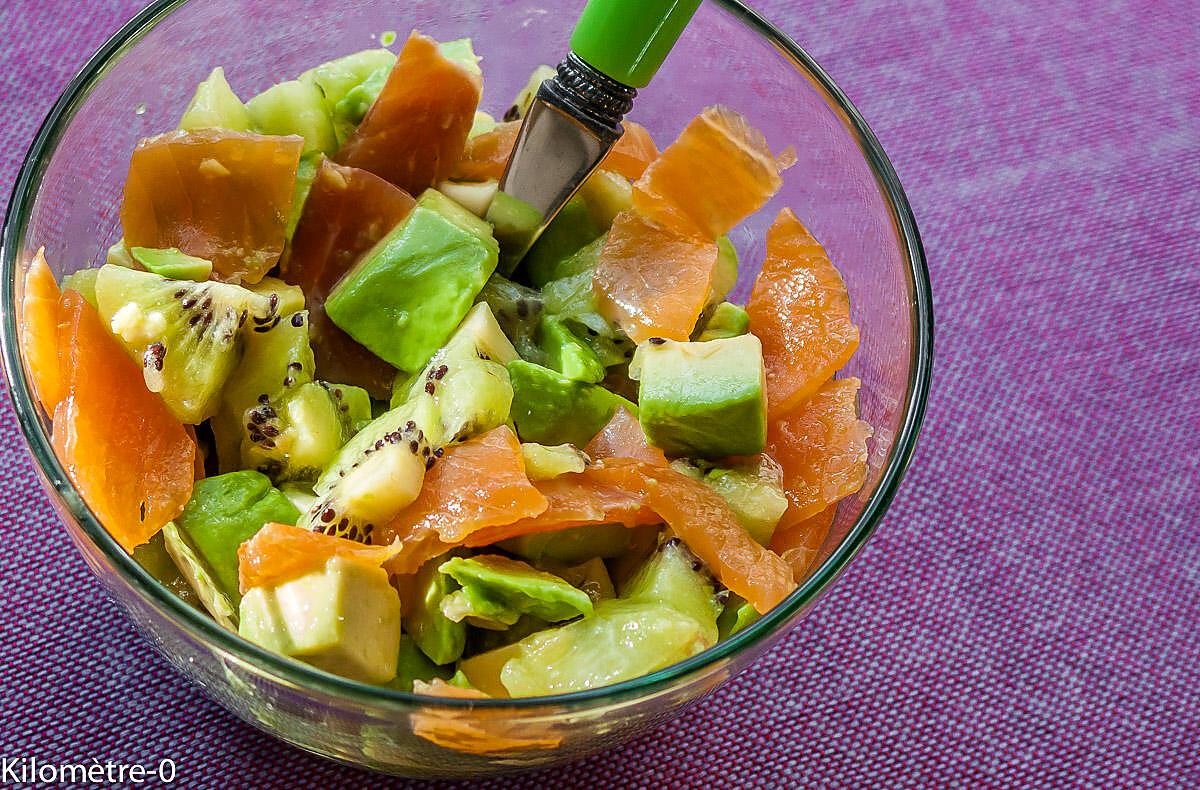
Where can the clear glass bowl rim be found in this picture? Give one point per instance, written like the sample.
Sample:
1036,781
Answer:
295,673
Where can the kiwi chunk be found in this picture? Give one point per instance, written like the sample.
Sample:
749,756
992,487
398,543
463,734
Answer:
377,473
518,310
275,418
188,337
674,577
466,378
463,391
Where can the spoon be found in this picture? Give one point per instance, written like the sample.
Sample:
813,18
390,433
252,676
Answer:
575,118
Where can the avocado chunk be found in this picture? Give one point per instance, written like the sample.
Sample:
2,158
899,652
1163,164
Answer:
306,172
354,106
546,463
223,512
753,491
621,640
727,320
172,264
514,222
437,636
704,400
343,618
216,105
572,228
737,615
198,576
412,664
549,408
482,124
567,354
496,591
406,295
576,544
295,107
674,577
582,221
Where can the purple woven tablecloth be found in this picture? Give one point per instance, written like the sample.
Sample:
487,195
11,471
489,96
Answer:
1029,611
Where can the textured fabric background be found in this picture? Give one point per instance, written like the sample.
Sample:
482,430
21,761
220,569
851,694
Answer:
1028,612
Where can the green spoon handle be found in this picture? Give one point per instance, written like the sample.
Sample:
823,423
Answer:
629,39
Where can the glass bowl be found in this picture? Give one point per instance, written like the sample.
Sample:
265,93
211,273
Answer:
67,198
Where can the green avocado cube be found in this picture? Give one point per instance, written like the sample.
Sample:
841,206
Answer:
514,223
570,230
195,573
549,408
621,640
703,400
576,544
412,664
172,264
225,511
497,591
727,320
343,618
439,638
567,354
404,298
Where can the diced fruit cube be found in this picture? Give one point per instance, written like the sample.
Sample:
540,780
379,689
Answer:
496,591
215,105
567,354
198,576
736,616
727,320
405,297
437,636
546,463
702,399
343,618
295,107
622,640
549,407
186,336
172,264
672,576
224,512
